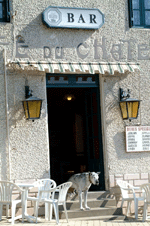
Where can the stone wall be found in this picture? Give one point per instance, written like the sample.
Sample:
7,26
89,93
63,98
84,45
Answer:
114,41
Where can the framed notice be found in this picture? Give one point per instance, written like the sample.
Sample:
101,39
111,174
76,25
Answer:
137,138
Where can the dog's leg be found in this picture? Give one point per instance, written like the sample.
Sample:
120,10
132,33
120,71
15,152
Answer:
80,200
85,200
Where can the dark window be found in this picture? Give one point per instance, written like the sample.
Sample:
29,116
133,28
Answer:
4,11
139,13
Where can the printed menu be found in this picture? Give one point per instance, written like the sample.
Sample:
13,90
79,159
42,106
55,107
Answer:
137,138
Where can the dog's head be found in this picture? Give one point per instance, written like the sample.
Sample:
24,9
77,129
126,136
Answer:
94,177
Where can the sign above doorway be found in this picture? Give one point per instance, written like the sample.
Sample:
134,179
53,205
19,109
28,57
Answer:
80,18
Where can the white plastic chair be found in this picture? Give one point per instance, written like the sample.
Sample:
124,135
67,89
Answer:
62,190
129,195
6,189
43,184
146,189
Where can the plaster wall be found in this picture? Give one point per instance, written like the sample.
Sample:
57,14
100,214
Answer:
4,170
28,139
114,41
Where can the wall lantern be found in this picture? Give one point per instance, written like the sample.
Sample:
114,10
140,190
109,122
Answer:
32,105
129,107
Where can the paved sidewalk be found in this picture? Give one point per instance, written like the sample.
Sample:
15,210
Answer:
112,221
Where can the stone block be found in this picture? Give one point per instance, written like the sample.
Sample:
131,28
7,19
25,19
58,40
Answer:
131,182
111,181
144,175
131,176
140,182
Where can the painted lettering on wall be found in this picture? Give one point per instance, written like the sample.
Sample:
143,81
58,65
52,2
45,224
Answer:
123,50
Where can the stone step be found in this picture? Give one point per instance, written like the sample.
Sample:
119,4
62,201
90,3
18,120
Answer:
101,204
91,203
102,211
91,195
114,218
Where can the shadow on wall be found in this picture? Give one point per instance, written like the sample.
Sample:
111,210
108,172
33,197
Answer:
115,192
52,38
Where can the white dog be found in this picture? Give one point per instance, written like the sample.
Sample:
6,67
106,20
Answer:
82,182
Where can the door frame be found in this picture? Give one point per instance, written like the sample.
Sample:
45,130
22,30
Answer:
100,81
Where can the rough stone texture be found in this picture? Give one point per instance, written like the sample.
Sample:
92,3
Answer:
29,140
134,179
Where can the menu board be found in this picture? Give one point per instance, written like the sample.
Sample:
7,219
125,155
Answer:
137,138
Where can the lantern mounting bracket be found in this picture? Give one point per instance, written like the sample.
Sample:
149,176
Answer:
28,92
124,95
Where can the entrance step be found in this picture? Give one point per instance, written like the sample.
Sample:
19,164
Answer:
102,211
92,203
101,204
115,218
91,195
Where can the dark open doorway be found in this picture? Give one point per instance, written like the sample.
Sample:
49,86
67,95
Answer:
74,133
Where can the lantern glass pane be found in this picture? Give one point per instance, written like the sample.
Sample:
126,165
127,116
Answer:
130,109
25,105
133,109
123,110
34,108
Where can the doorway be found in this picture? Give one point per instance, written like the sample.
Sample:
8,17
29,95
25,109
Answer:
75,133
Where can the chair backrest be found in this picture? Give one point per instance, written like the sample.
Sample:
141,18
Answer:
6,188
124,186
146,189
45,184
63,189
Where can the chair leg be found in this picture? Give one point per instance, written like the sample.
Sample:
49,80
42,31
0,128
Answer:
122,203
55,204
128,207
36,206
144,212
136,208
23,213
46,211
13,211
23,206
1,211
50,212
64,205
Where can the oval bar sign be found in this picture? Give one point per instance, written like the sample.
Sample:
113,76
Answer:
65,17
